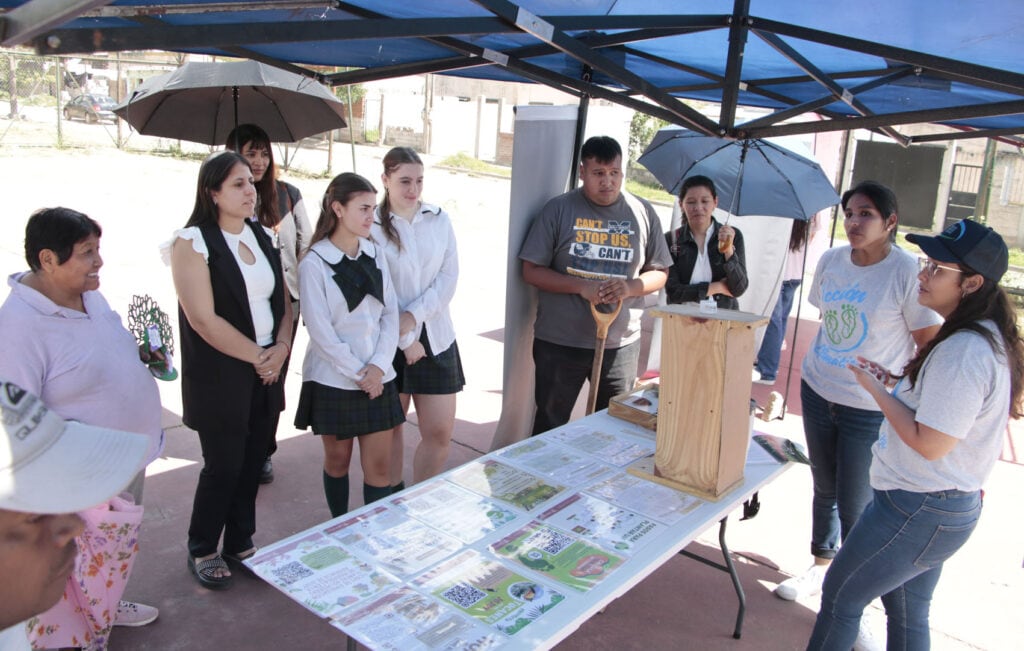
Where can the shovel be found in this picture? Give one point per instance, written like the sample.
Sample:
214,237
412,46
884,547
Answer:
603,321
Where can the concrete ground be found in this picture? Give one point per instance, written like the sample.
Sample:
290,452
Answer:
140,199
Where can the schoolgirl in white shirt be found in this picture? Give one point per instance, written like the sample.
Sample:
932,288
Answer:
350,310
419,242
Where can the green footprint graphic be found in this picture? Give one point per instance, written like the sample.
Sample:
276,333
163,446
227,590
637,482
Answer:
831,323
849,317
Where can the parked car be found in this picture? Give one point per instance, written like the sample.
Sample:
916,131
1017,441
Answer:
91,108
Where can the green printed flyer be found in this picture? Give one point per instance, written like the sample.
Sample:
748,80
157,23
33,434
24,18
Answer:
490,592
567,559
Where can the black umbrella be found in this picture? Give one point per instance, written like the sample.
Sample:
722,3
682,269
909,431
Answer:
203,101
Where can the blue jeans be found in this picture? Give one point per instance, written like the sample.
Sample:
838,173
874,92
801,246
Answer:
896,551
839,440
768,356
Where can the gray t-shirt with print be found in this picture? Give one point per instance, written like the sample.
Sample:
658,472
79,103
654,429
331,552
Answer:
963,390
865,311
576,237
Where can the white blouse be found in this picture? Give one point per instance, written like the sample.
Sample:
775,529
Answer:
258,277
702,267
259,283
342,343
425,272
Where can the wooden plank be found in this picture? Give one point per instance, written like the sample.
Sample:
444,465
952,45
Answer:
703,416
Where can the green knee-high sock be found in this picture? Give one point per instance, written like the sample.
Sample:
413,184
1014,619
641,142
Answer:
398,488
374,493
336,491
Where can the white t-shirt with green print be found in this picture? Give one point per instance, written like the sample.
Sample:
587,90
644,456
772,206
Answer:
865,311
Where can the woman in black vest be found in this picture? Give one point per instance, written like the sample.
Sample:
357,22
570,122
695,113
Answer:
279,207
235,332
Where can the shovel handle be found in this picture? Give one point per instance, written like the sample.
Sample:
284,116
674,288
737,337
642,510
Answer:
604,320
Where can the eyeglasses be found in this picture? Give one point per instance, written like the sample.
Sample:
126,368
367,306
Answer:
931,268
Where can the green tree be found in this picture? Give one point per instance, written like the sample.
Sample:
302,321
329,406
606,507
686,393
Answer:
641,129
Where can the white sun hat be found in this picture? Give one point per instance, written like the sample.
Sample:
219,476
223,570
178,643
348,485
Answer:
49,465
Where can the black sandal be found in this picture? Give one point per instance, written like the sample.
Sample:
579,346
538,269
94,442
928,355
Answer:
204,571
237,561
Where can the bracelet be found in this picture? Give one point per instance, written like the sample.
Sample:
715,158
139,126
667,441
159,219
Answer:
285,344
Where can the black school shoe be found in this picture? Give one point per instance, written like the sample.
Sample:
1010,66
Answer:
267,473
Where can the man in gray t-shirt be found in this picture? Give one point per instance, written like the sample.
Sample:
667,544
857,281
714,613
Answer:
594,245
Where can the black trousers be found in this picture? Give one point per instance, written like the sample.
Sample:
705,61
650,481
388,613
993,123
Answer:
562,370
284,376
225,499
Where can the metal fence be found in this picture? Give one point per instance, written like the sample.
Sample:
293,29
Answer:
47,102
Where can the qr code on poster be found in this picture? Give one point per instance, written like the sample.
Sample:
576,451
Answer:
463,596
550,541
290,573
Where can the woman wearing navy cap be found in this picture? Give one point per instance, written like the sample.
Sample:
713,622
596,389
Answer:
942,434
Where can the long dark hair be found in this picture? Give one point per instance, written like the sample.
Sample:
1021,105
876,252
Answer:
394,159
212,173
58,229
989,302
266,188
341,189
882,197
798,234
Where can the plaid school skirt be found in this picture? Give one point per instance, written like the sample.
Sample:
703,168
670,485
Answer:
436,375
346,414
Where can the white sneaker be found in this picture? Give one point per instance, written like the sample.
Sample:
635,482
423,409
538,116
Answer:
871,636
130,613
806,585
773,407
755,377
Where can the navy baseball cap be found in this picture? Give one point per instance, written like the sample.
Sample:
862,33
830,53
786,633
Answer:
968,243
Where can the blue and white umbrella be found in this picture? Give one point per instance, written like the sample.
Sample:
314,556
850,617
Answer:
752,176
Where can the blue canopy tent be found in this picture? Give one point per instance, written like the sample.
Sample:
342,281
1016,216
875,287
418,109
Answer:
876,64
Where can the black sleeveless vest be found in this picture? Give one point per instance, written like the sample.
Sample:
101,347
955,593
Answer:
217,388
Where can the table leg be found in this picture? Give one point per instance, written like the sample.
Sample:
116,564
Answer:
731,570
351,645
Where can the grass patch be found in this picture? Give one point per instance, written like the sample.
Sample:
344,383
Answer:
465,162
174,151
649,192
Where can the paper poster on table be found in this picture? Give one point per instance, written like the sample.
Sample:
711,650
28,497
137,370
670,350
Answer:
570,467
490,592
405,620
610,448
316,572
646,497
601,522
503,482
466,515
567,559
387,537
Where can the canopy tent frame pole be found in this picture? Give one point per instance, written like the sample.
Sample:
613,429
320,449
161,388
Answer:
734,64
788,51
581,129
